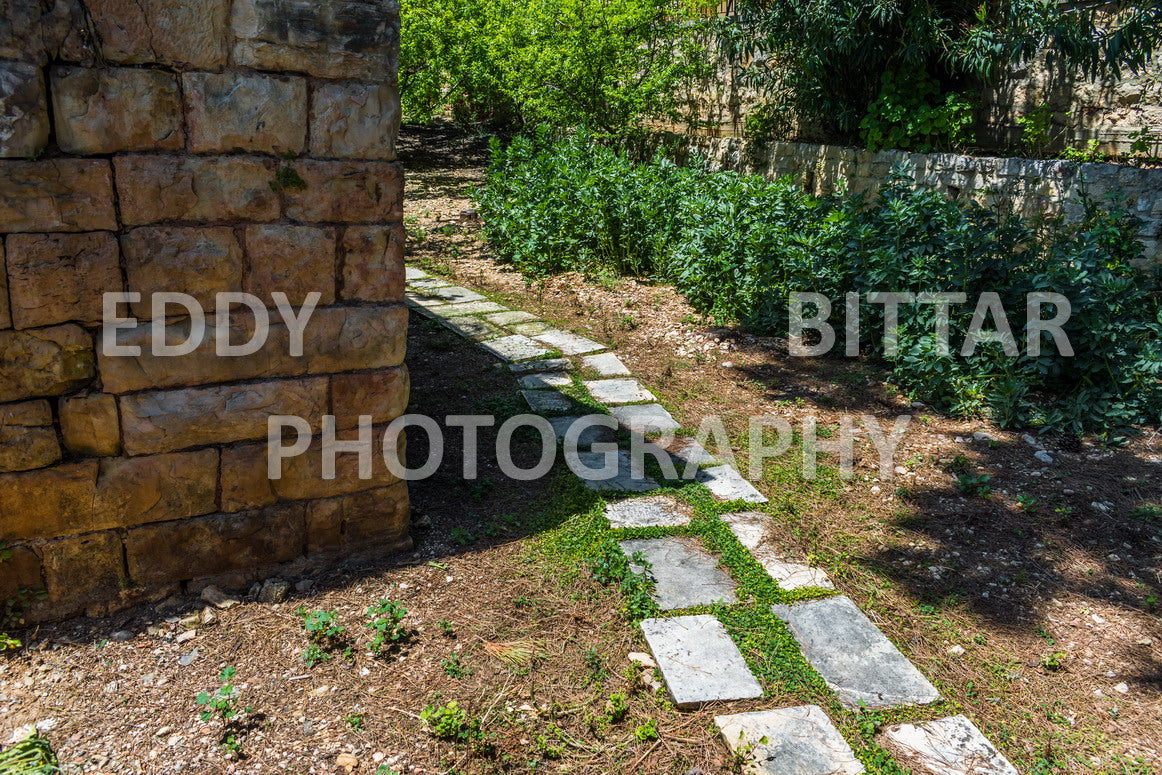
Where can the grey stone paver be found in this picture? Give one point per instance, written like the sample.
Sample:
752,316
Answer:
545,379
530,328
687,451
622,480
657,511
450,294
605,365
472,328
592,434
514,348
618,391
422,284
750,528
567,343
509,317
645,418
947,746
853,656
463,308
541,364
684,573
414,273
698,661
789,741
729,485
548,401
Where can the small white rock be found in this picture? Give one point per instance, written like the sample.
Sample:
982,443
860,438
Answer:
956,651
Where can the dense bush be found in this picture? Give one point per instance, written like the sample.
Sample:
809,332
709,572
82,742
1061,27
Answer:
737,245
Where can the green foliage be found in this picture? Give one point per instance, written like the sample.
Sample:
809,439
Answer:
609,64
324,632
1087,155
974,484
618,707
610,566
222,703
911,113
30,756
738,245
386,620
454,668
287,178
1035,127
451,722
646,732
825,58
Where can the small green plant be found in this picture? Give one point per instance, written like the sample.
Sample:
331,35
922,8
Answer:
1144,142
31,756
446,628
617,708
1055,661
287,178
451,722
598,672
386,622
324,633
355,720
1027,502
383,769
222,703
974,484
612,567
1089,154
646,732
462,537
912,113
455,668
1035,129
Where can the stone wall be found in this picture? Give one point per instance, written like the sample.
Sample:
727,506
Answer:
1031,187
200,147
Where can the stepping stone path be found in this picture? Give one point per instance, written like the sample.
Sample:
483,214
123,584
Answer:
699,661
947,746
853,656
750,528
683,572
696,656
790,741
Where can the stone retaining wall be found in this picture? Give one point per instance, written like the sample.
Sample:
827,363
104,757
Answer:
199,147
1031,187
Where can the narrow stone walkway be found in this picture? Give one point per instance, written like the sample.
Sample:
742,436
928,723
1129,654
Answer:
698,661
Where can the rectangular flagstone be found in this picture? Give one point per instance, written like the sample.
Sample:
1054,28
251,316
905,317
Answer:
509,317
472,328
414,273
729,485
463,308
590,435
947,746
514,348
750,528
541,364
645,418
853,656
687,452
548,401
423,284
698,661
547,379
655,511
615,478
451,294
567,343
531,328
683,572
605,365
618,391
788,741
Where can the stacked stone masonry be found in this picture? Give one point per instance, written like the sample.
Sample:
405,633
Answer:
198,147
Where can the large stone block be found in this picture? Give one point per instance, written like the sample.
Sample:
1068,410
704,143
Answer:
176,419
355,120
95,495
5,313
369,519
22,572
172,188
44,362
245,112
293,259
80,571
197,261
347,192
220,543
190,33
381,394
40,31
27,437
90,425
24,125
56,195
373,265
327,38
113,109
357,338
57,278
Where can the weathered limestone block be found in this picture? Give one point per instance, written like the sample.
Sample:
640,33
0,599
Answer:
27,437
327,38
56,195
90,425
80,571
190,33
197,261
350,192
234,111
22,572
24,125
219,543
101,494
57,278
373,266
114,109
356,338
366,519
173,188
382,394
5,313
293,259
176,419
44,362
38,32
355,120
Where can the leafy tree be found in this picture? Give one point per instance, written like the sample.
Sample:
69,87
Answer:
827,59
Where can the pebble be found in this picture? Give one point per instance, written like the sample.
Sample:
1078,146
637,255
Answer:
956,651
1122,688
187,659
643,659
1043,456
217,597
274,590
727,365
185,636
121,636
981,436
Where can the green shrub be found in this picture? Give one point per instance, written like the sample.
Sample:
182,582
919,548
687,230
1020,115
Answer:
738,245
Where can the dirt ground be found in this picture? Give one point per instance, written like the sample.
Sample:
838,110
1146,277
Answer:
1039,621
